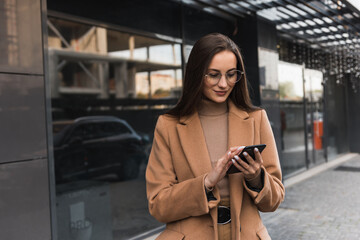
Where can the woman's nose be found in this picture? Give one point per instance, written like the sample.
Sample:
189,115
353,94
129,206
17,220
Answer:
222,82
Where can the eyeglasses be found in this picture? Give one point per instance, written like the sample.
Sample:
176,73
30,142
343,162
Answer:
232,77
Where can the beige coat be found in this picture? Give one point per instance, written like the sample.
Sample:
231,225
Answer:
179,162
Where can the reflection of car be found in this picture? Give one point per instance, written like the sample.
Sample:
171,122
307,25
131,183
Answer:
97,145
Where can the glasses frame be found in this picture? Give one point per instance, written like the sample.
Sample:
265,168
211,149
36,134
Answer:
226,77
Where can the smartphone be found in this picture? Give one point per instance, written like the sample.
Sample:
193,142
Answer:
250,151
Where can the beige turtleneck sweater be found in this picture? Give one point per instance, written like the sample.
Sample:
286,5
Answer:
214,121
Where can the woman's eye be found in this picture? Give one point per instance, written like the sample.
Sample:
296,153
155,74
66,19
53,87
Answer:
231,74
214,75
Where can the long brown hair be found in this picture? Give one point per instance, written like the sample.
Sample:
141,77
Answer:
199,60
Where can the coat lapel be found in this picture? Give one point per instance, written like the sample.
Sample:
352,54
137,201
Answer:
240,133
193,143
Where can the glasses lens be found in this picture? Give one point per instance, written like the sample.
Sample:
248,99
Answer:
233,76
213,77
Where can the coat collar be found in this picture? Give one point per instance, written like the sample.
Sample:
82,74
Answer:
240,132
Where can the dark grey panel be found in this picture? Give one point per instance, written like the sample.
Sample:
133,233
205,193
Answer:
354,117
267,35
24,204
336,127
249,50
20,36
22,114
162,17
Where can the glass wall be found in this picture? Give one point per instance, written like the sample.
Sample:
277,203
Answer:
108,87
269,89
314,92
302,117
336,118
292,117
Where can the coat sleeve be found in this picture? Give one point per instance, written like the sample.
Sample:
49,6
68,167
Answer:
273,191
171,200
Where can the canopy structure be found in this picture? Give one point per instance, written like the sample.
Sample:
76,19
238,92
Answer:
323,34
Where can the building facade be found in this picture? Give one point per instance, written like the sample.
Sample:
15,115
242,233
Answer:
82,85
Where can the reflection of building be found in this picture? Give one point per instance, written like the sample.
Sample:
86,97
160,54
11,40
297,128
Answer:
162,81
112,59
96,61
165,82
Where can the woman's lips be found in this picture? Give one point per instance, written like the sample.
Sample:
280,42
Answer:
220,93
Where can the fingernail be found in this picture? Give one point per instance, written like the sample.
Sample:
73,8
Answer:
240,147
245,154
236,157
256,150
229,153
233,160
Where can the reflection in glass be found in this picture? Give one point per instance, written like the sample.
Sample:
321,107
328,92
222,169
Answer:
100,62
269,90
292,117
166,83
90,147
160,53
108,87
314,115
337,138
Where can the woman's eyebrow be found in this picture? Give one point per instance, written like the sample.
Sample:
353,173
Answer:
216,70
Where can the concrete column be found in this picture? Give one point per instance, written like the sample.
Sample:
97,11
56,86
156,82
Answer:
131,46
150,89
104,79
101,40
131,82
121,80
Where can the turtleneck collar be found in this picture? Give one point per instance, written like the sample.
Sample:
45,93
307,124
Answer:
210,108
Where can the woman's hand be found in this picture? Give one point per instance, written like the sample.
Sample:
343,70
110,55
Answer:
252,169
221,166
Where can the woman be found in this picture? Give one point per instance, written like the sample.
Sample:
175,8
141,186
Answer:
197,141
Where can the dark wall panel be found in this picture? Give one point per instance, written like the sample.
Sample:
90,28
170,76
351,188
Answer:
247,39
22,115
198,23
354,118
25,211
20,37
336,116
159,16
267,35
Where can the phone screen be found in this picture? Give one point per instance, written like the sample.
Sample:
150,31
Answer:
250,151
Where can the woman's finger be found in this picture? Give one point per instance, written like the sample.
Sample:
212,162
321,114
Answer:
228,165
238,166
237,149
224,160
241,162
250,160
258,156
233,148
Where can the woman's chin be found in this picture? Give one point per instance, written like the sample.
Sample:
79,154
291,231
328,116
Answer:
219,99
